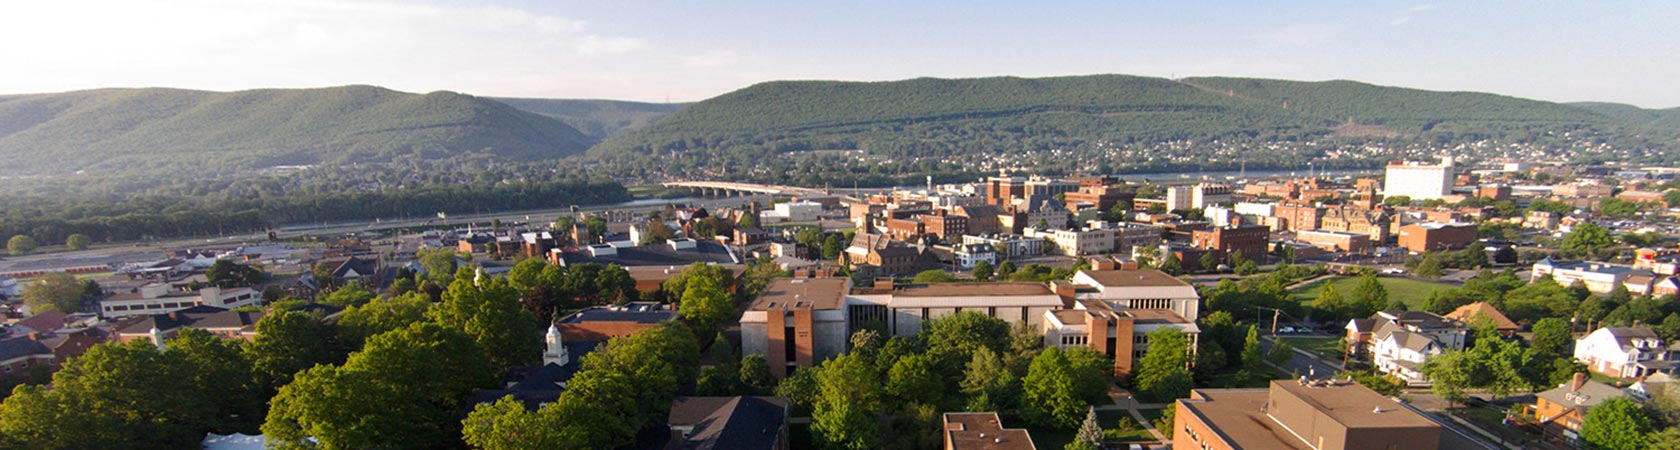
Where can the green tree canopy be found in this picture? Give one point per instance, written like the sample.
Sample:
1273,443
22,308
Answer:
288,342
358,323
22,244
56,291
78,241
1616,424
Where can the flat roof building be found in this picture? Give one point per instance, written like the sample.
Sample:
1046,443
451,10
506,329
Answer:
1304,415
983,431
797,323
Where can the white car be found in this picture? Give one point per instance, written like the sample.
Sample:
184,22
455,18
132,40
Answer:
1394,271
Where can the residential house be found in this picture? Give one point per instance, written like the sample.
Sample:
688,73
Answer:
1397,342
1625,352
1565,407
1470,313
718,423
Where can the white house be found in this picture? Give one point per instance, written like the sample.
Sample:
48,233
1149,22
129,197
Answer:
1401,353
967,255
1397,342
1625,352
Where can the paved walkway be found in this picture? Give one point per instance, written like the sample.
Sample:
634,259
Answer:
1123,399
1309,281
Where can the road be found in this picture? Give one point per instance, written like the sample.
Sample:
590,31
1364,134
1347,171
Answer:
152,250
1301,363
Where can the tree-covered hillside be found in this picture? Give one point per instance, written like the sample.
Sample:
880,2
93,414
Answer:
834,132
157,131
597,119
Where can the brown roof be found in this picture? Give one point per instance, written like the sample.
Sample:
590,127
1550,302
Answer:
1142,277
662,273
983,431
976,289
1070,316
802,293
1238,416
1353,405
1464,314
1140,315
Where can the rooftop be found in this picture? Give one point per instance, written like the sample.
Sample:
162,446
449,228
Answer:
1353,405
982,430
745,423
802,293
1133,278
975,290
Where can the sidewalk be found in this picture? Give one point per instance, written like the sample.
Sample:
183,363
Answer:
1124,400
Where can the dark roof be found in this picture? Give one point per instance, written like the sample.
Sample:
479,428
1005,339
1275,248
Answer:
45,322
746,423
19,347
657,255
229,319
168,321
610,315
536,385
363,267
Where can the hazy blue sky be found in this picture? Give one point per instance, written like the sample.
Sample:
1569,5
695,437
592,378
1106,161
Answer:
644,50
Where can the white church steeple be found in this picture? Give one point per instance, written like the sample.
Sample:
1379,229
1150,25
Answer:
556,353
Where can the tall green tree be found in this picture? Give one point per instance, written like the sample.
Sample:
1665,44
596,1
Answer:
988,383
1368,297
403,390
358,323
850,397
1585,239
706,303
1163,372
226,379
1552,335
914,379
983,270
22,244
119,395
1048,394
78,241
228,274
1616,424
55,291
488,309
289,342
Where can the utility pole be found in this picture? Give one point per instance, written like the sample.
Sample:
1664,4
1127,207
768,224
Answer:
1275,313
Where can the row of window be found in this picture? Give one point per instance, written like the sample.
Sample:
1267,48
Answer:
146,306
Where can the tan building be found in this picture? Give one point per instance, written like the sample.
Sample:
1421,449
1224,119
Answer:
1436,236
796,323
1373,223
983,431
1302,415
1114,311
1297,218
1336,241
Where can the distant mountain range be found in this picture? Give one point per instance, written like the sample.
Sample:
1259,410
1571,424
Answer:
159,131
153,131
931,115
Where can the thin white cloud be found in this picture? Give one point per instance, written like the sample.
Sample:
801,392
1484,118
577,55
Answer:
1411,12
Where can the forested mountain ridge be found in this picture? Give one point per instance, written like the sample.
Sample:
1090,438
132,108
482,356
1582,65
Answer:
597,119
157,130
775,131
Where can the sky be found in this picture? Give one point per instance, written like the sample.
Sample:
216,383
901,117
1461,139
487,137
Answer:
1626,52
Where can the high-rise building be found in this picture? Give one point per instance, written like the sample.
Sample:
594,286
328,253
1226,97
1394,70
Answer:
1418,180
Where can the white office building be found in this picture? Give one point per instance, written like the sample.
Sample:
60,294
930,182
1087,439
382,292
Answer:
1420,181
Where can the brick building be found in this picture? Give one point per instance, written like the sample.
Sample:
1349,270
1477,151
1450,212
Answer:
1251,240
1436,236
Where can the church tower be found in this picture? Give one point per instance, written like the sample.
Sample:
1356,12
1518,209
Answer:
556,353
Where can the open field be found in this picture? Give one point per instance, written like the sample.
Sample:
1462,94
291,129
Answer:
1409,290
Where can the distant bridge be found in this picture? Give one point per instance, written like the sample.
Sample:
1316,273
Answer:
730,189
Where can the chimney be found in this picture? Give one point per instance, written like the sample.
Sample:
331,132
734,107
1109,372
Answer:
1579,380
34,336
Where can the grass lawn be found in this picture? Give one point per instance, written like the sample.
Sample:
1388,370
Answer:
1411,291
1323,346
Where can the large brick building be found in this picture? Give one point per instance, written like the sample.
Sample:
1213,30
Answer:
1251,240
797,323
1304,415
1436,236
